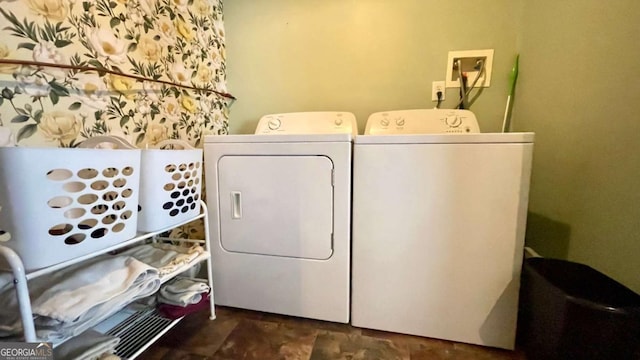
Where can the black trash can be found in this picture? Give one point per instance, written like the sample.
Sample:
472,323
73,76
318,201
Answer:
571,311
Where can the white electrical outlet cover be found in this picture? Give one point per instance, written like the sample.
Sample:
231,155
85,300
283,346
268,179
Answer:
487,53
435,87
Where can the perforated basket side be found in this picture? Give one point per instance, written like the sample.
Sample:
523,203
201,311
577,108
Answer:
59,204
170,187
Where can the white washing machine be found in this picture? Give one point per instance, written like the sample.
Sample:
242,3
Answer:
280,205
439,214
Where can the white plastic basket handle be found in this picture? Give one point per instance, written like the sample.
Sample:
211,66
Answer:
185,145
106,142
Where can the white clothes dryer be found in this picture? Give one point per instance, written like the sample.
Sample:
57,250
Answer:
280,205
439,214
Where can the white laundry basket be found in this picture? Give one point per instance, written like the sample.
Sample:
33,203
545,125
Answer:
57,204
170,187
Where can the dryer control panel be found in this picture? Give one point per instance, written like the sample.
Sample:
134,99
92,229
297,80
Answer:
319,122
422,121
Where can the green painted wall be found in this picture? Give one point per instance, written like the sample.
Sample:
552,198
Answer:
578,90
361,56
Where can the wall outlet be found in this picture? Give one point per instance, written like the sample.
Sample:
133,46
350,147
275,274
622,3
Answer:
435,87
469,60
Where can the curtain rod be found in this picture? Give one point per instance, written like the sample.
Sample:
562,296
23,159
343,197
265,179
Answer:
104,70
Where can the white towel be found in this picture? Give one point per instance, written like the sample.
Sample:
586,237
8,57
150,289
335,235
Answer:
71,300
10,321
93,285
90,345
54,330
183,292
166,258
58,329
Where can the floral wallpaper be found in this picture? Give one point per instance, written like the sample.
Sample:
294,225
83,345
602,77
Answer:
146,70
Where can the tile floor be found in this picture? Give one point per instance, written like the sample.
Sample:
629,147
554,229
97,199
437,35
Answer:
247,335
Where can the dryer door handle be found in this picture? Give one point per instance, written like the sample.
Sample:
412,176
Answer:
236,205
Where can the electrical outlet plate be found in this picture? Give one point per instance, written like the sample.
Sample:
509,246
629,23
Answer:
435,87
469,59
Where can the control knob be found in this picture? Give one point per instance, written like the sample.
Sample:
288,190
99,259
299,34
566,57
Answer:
274,124
400,121
453,121
384,122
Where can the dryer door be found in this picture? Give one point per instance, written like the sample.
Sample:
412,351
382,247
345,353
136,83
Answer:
276,205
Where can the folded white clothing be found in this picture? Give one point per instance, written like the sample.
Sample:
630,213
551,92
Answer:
73,299
183,291
92,285
166,258
10,321
90,345
54,330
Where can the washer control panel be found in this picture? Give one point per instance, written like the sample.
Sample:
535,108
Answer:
422,121
319,122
